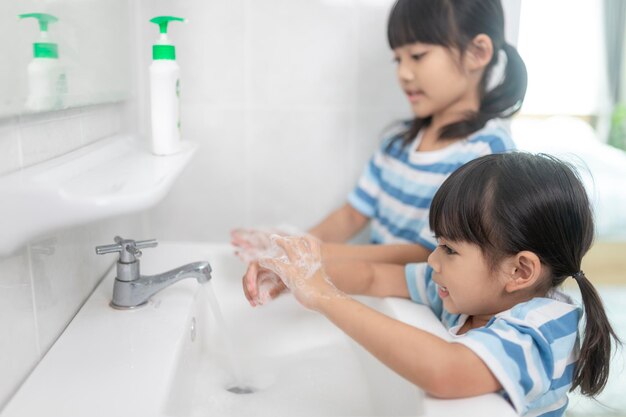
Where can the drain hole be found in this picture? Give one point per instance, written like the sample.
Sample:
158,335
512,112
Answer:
240,390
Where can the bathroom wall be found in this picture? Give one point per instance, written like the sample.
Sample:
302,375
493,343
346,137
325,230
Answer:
44,283
287,99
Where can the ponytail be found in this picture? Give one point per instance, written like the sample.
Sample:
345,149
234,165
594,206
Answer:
503,101
507,98
592,368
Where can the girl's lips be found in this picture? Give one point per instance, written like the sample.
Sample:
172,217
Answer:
414,95
442,291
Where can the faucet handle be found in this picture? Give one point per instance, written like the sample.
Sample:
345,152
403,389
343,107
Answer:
128,249
150,243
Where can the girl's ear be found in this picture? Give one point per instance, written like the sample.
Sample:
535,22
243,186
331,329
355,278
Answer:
524,271
479,52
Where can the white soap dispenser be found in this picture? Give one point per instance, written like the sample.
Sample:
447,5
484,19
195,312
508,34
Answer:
165,92
47,81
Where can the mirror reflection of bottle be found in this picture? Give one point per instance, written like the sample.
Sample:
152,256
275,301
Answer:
47,80
165,92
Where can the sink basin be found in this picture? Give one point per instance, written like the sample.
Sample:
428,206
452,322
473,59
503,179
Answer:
275,360
179,356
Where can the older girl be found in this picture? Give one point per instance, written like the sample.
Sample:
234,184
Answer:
446,54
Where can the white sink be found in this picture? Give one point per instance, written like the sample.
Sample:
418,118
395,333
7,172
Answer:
276,360
172,357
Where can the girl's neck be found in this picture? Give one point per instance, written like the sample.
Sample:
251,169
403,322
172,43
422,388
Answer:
474,322
430,140
452,114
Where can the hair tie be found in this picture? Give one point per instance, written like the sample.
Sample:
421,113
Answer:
578,275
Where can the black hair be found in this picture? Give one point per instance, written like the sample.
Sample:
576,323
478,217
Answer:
454,24
512,202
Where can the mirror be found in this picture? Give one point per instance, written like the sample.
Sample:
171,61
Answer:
81,59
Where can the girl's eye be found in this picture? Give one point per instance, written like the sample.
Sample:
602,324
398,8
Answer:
396,59
417,57
447,249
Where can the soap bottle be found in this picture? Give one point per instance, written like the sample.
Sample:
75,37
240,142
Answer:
165,92
47,81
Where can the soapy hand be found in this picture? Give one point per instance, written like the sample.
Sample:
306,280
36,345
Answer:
261,285
252,244
300,268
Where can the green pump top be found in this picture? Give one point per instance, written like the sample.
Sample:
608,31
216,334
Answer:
43,48
163,49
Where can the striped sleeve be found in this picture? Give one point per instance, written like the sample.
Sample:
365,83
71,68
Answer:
531,350
422,288
364,197
426,238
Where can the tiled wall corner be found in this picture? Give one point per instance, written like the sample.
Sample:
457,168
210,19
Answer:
10,153
30,139
44,284
18,327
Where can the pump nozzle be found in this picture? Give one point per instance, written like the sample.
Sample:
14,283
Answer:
163,49
163,21
43,18
43,48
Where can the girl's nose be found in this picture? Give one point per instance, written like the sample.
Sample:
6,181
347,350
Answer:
404,72
432,261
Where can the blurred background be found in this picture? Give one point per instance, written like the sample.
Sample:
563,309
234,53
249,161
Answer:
286,100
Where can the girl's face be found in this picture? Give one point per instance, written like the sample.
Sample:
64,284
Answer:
465,282
435,80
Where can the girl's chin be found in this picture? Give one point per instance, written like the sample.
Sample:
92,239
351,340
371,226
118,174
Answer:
420,113
449,306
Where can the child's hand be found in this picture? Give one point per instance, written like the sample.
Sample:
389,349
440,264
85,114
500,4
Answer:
261,285
300,268
252,244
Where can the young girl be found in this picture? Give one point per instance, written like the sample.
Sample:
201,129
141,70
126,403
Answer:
510,229
446,52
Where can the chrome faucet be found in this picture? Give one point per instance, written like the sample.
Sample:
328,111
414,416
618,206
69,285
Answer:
132,290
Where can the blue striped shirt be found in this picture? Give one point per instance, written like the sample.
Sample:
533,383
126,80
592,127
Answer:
531,349
397,185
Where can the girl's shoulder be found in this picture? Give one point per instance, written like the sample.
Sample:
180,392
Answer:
552,314
394,134
496,134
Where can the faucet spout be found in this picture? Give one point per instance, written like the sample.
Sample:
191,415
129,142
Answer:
131,289
136,293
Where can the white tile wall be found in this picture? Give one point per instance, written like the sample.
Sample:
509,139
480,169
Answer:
301,53
11,156
287,100
45,283
65,269
43,139
199,198
19,343
31,139
296,164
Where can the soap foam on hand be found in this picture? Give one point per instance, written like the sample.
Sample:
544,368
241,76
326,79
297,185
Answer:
267,282
300,268
254,243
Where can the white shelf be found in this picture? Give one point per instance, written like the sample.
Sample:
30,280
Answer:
110,177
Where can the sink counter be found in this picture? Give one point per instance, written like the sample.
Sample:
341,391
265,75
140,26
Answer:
163,360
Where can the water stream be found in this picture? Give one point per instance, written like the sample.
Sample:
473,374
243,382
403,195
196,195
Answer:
238,386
